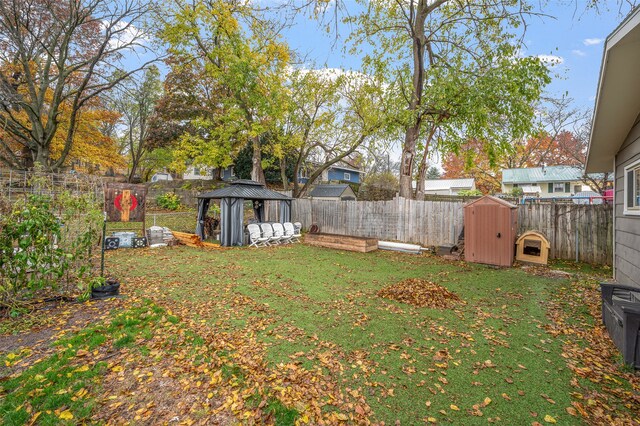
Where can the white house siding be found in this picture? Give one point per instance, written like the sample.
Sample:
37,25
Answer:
544,189
627,235
190,174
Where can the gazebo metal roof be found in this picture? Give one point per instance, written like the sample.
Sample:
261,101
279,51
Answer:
247,189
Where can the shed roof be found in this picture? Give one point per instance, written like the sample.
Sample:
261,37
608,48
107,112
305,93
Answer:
328,190
491,198
247,189
618,97
436,184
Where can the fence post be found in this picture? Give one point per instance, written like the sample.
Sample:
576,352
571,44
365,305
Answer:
577,242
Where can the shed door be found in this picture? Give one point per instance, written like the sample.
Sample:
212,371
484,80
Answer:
492,234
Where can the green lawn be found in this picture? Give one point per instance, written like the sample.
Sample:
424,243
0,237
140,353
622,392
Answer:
298,335
316,309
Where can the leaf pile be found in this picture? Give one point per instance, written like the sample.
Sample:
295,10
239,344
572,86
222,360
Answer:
420,293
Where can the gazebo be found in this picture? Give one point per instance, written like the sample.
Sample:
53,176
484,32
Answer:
232,200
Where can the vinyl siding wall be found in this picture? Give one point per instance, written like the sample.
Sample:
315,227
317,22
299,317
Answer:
627,228
338,174
544,186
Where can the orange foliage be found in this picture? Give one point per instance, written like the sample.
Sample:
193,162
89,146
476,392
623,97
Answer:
474,160
90,144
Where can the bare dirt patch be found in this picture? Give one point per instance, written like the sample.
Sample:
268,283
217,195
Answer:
421,293
60,317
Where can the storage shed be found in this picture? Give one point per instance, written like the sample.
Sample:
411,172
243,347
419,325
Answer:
490,226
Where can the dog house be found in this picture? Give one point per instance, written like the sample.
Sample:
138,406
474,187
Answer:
532,247
490,226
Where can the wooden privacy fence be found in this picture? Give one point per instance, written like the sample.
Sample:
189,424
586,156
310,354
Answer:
583,232
575,231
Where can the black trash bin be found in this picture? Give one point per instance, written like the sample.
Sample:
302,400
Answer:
621,316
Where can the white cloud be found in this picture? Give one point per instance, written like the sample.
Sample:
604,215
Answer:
551,60
592,41
125,34
578,52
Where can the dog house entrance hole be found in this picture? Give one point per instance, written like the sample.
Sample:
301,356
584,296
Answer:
532,247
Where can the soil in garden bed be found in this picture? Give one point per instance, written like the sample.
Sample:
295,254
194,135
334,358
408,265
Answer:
421,293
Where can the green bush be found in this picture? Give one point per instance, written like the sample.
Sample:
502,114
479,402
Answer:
30,259
470,193
517,192
46,245
169,200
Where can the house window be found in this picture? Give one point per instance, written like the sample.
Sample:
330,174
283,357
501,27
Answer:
632,189
347,176
577,188
558,187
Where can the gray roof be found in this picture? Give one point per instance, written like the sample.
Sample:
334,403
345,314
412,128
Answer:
247,189
328,190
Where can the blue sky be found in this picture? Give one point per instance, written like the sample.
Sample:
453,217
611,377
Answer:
575,35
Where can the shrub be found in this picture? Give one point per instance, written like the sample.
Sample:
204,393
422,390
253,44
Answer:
30,259
517,192
169,200
46,243
470,193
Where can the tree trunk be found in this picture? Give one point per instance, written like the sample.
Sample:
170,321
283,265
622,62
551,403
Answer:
132,172
257,173
413,130
42,157
283,173
217,173
422,170
406,166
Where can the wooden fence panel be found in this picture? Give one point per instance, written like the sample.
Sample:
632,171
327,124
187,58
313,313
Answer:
585,231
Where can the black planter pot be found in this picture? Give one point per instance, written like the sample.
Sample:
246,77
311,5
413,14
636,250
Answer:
111,288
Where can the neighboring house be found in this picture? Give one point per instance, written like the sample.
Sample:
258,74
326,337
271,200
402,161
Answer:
198,173
615,142
161,176
549,181
206,173
340,192
448,186
339,172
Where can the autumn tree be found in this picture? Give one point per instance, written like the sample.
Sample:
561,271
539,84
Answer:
135,99
378,186
562,141
333,114
54,56
453,66
244,63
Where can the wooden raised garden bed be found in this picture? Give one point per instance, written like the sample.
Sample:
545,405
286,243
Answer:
342,242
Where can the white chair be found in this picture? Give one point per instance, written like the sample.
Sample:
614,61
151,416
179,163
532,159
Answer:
255,236
290,231
267,232
278,231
